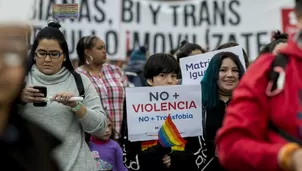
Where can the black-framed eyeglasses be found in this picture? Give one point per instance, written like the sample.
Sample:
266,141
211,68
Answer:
53,54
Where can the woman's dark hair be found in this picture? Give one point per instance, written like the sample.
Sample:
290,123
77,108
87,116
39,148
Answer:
232,44
210,97
87,42
277,38
278,35
265,49
173,51
186,48
160,63
51,32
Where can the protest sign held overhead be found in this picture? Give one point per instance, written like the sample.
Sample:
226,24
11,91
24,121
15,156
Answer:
194,67
161,26
148,108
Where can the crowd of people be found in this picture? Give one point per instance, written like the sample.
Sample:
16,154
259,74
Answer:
251,113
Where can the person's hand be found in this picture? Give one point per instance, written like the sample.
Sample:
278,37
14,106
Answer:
31,95
167,161
297,162
64,99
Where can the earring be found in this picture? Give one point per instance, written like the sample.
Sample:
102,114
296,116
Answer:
64,59
91,59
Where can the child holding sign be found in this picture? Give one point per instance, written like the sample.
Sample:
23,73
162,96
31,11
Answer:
161,70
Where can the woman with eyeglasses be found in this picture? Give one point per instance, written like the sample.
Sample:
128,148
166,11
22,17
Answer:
23,144
108,80
51,69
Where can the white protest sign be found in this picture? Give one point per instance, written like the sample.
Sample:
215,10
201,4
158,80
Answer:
148,107
16,11
124,24
100,18
163,25
193,67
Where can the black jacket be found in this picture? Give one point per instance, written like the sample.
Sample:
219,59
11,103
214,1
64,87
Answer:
24,146
213,121
192,159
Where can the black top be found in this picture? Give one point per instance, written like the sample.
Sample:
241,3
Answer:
24,146
192,159
213,121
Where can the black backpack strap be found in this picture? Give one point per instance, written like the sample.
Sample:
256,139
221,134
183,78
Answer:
79,82
284,134
278,67
80,86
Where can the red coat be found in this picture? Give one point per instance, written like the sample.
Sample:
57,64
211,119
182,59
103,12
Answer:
245,142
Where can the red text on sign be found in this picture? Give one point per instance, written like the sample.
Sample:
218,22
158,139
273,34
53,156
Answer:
164,106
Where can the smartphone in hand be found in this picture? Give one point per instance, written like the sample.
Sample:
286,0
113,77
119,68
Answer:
42,90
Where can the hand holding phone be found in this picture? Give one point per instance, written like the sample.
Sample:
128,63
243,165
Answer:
41,91
34,95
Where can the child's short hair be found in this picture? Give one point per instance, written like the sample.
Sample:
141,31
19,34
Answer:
161,63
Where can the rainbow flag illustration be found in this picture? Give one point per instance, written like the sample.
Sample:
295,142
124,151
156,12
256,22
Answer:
169,136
